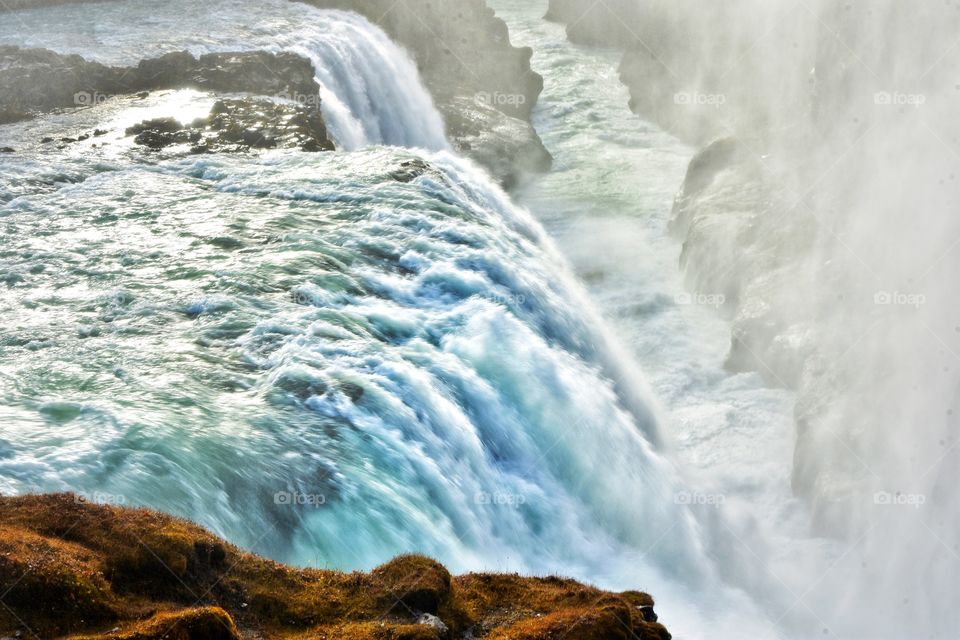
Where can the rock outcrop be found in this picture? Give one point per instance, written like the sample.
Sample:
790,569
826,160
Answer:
819,157
508,147
610,23
39,80
461,49
480,82
77,570
239,125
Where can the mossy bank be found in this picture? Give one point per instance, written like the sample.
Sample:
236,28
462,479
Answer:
73,569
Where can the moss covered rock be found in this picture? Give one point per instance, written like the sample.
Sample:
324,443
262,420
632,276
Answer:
73,569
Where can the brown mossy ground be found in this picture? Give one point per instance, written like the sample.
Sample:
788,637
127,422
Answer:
78,570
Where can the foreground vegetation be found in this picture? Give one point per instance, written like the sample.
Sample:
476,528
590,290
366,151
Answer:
79,570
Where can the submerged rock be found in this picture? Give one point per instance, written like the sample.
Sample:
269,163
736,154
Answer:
110,572
239,125
410,170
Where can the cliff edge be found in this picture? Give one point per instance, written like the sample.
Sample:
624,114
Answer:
73,569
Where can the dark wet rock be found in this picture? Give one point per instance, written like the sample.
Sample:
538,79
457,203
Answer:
239,124
508,147
159,139
410,170
480,82
166,71
157,125
352,391
461,48
38,80
7,150
259,72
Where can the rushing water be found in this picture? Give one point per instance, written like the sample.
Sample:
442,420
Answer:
608,204
331,366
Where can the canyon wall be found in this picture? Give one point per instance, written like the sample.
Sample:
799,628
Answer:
822,205
481,83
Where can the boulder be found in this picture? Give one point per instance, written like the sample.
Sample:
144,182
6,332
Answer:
239,124
434,622
508,147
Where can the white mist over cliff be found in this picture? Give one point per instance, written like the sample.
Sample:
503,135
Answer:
829,219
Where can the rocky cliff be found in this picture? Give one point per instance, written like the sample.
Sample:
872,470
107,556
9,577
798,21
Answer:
609,23
461,49
481,83
38,80
826,133
69,569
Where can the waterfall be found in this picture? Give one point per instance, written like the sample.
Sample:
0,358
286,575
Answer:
370,89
